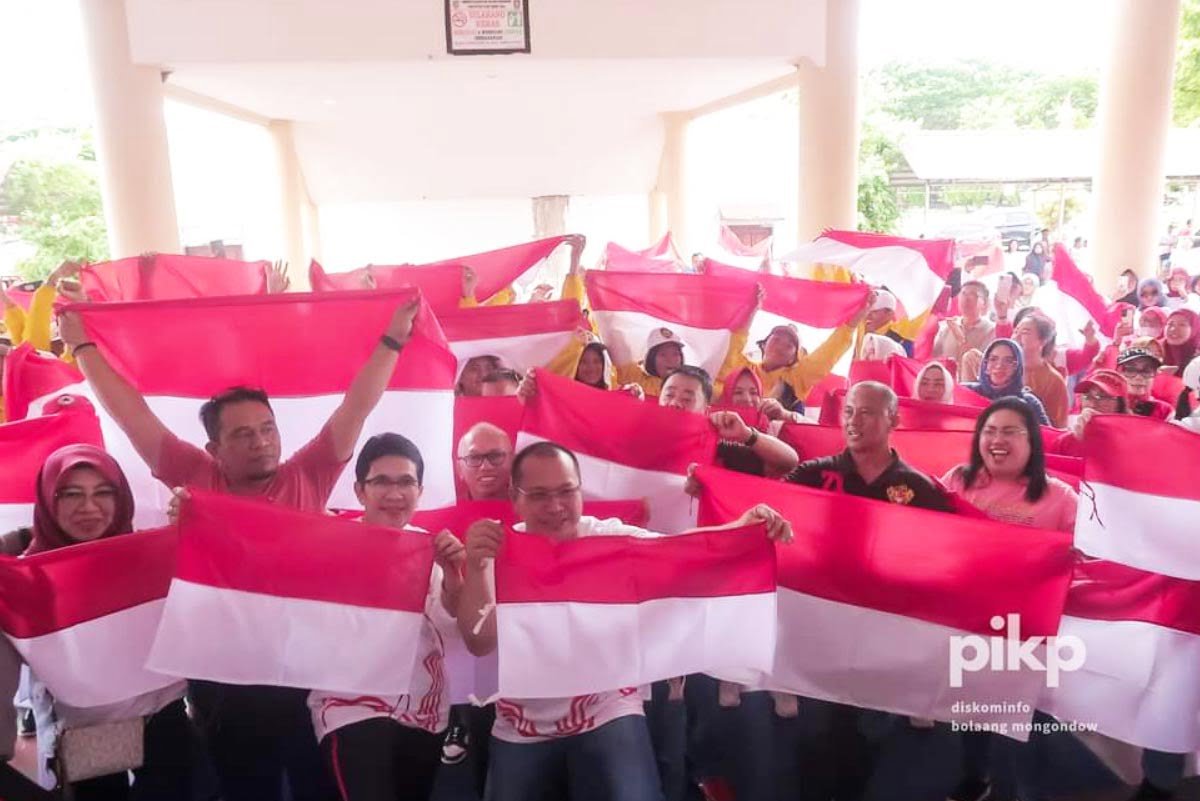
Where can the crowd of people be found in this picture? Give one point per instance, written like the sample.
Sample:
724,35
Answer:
684,738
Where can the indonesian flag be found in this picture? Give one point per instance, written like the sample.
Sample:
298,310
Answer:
815,308
662,248
932,452
32,378
730,241
618,259
904,372
644,451
263,594
701,310
599,613
83,618
164,276
1140,500
914,270
24,447
858,589
522,336
441,281
913,413
1072,302
1141,632
303,349
22,295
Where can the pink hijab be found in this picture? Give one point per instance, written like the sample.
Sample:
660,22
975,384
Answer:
47,533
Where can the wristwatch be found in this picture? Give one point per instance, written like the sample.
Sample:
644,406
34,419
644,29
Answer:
750,440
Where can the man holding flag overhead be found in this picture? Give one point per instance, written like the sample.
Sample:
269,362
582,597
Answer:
262,734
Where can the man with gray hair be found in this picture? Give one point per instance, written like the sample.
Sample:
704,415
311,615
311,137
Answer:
869,468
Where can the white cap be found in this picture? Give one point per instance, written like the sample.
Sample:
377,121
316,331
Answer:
883,300
877,348
660,335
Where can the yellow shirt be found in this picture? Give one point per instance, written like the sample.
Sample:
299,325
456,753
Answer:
504,297
803,374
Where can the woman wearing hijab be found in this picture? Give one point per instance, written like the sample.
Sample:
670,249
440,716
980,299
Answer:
1035,262
1127,291
1003,376
1151,293
1181,339
1006,479
743,389
1177,287
934,384
83,496
1030,283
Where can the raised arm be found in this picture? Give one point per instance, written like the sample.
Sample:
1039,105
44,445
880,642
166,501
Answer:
118,397
477,600
368,386
778,457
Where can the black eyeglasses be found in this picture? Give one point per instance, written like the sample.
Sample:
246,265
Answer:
389,483
493,458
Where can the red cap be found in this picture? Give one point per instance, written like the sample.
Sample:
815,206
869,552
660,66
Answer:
1110,382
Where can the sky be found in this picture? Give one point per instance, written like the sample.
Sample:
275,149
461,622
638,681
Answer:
44,64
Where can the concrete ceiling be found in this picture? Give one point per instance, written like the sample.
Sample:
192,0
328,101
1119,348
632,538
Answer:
383,113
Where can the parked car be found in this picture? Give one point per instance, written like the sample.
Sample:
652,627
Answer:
1017,228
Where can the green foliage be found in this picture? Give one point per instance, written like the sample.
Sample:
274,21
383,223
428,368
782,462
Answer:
59,212
1047,212
1187,66
967,196
878,157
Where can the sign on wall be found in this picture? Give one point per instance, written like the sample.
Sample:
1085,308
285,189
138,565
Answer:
487,27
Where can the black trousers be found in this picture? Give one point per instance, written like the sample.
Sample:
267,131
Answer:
166,773
380,760
258,738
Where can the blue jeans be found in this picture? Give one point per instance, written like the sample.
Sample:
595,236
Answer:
612,763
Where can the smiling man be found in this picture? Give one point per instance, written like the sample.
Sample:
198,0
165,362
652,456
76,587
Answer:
484,455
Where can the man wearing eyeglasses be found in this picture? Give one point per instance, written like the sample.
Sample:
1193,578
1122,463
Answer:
592,747
389,747
484,455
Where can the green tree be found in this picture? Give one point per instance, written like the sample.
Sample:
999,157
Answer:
59,212
878,157
1187,65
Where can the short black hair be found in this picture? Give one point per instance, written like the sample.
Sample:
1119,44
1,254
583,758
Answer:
542,449
210,412
502,374
979,285
388,444
698,373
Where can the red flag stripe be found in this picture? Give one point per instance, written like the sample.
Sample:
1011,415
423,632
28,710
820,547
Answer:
1104,590
28,375
1143,455
281,343
636,434
632,570
26,444
938,253
54,590
257,547
493,322
165,276
701,301
819,304
946,569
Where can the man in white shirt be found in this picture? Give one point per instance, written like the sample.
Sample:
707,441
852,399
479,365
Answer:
594,746
970,331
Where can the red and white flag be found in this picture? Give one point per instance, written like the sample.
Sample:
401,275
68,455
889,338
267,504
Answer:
1071,301
914,270
913,413
703,311
599,613
303,349
24,447
263,594
456,519
868,618
165,276
83,618
619,259
31,379
644,452
1140,500
1138,682
522,336
441,281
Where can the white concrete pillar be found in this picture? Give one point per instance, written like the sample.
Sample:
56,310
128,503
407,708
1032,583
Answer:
829,127
668,201
131,137
1133,117
299,213
550,219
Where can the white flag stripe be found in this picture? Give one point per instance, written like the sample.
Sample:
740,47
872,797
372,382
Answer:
905,272
670,507
626,333
1138,683
521,352
899,664
1111,524
611,646
65,660
358,649
424,416
15,515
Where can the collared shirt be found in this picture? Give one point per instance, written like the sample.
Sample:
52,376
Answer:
978,337
899,483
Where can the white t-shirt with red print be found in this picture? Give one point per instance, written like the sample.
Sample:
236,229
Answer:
427,707
530,720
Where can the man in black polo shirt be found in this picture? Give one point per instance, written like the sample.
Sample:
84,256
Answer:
869,468
839,762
